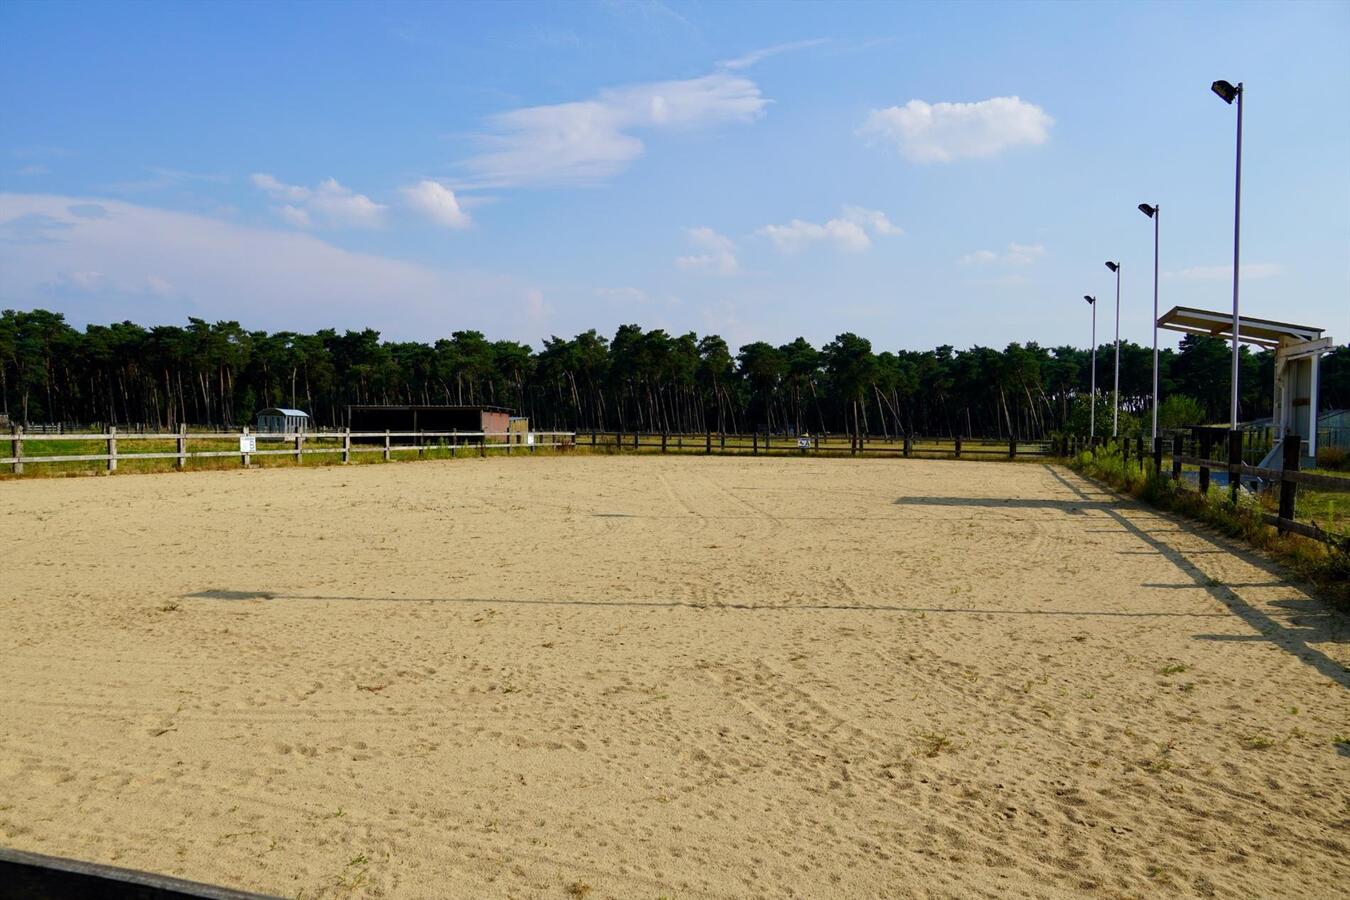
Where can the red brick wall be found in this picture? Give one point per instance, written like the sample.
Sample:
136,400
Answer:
496,423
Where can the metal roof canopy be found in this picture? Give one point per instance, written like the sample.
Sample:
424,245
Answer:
1262,332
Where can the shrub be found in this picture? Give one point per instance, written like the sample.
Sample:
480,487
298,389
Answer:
1335,458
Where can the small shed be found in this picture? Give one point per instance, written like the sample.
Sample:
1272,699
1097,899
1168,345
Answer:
491,422
282,421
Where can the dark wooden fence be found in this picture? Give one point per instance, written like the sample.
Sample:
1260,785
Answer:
1218,449
757,444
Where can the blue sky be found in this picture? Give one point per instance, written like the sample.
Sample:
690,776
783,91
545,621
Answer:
919,174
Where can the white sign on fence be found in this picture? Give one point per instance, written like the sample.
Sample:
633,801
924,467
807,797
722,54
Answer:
804,443
248,443
529,439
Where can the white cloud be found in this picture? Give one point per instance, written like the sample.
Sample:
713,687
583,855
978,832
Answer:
330,204
942,132
848,232
587,141
153,265
978,258
1225,273
1016,255
718,256
438,203
755,56
161,179
294,215
1024,254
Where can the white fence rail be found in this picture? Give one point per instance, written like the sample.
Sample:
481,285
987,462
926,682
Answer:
351,442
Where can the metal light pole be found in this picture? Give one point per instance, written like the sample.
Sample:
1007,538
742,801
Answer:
1092,416
1228,94
1153,213
1115,400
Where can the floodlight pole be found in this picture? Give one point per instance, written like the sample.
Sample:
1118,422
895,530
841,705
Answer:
1115,398
1092,415
1157,216
1237,232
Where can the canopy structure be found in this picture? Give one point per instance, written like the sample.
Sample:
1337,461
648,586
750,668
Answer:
1298,350
1263,332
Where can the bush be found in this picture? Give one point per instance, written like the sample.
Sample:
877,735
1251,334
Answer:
1335,458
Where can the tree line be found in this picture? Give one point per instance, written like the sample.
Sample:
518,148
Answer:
221,374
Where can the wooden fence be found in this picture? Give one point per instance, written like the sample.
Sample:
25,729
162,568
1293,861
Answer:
710,443
346,442
1203,442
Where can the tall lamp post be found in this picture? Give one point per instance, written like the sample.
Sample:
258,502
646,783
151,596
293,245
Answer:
1115,398
1092,416
1228,94
1152,213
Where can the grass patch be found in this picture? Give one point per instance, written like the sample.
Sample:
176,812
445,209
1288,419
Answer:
1258,741
1174,669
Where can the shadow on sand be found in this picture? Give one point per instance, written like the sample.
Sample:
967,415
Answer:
680,604
1312,622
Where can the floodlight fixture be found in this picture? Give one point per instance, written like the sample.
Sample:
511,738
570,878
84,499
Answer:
1227,93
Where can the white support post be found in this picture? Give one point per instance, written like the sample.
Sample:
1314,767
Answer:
1312,406
346,445
386,445
246,456
299,448
112,449
18,450
182,446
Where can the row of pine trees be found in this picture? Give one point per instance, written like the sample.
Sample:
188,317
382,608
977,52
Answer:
220,374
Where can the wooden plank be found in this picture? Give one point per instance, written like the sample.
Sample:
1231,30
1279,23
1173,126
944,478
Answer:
1300,528
24,874
1311,479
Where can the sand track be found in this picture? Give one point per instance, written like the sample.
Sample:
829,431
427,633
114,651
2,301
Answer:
677,677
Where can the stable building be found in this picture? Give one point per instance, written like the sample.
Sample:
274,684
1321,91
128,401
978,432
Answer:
493,421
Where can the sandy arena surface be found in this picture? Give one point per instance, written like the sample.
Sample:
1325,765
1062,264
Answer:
663,677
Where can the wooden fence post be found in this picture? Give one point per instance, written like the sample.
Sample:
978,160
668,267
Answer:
723,436
1177,446
386,444
958,446
707,446
182,446
766,441
592,437
1206,447
1293,449
245,455
754,444
1012,448
663,441
112,449
636,435
1157,455
908,447
346,445
1125,453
